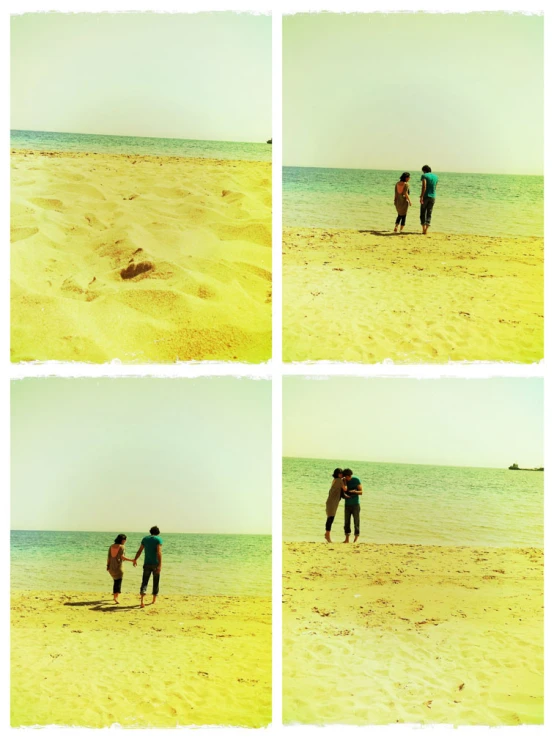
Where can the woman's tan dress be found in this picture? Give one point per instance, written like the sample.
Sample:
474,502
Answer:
115,564
334,497
401,199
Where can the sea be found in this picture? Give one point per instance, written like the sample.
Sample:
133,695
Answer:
99,144
193,564
362,199
418,504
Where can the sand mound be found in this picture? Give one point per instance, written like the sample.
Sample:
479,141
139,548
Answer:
114,258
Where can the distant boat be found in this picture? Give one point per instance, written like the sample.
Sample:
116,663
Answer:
515,466
269,141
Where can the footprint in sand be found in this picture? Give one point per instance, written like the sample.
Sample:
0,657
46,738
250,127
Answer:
48,203
18,234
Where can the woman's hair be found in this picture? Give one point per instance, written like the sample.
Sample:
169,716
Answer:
404,176
337,472
119,539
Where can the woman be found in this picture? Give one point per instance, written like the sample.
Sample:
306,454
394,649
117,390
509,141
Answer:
402,200
333,500
116,557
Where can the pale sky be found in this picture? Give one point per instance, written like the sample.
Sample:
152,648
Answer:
187,455
466,423
195,76
460,92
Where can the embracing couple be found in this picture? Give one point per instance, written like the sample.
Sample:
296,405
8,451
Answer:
152,548
346,486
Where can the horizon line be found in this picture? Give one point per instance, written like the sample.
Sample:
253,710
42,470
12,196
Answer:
443,171
417,464
162,533
134,136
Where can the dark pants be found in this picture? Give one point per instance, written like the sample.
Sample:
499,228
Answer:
329,523
401,220
148,570
117,585
426,211
352,511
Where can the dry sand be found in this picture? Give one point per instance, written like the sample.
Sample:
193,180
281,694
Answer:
192,238
77,659
379,634
368,296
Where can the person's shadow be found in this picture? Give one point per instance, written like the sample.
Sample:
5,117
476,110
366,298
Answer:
377,233
100,605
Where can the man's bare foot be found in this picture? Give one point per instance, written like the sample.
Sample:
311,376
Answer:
395,229
356,539
154,599
328,536
347,540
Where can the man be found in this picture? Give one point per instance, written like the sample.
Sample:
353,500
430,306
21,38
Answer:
152,546
428,194
351,504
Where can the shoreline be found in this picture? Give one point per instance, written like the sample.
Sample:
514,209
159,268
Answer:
370,296
139,258
80,660
412,634
58,153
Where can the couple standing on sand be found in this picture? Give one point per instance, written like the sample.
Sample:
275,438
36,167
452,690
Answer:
152,546
350,488
427,198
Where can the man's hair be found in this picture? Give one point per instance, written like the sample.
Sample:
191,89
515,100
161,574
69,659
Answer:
337,472
347,472
426,168
404,176
154,531
119,539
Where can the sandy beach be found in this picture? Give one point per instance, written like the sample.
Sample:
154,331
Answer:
368,296
381,634
79,660
139,258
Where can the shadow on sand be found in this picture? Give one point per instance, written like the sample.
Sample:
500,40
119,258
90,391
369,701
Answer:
101,605
385,233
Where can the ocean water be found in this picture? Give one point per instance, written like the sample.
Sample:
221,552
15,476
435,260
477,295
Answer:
418,504
51,141
193,564
485,204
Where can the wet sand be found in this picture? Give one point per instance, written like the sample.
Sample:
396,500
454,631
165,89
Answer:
369,296
384,634
79,660
139,258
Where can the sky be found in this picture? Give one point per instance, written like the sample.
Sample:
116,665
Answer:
196,76
188,455
459,92
466,423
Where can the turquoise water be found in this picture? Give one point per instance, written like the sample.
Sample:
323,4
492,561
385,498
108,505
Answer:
418,504
193,564
51,141
486,204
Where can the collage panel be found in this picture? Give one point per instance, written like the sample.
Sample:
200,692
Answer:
141,187
141,552
413,187
413,551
